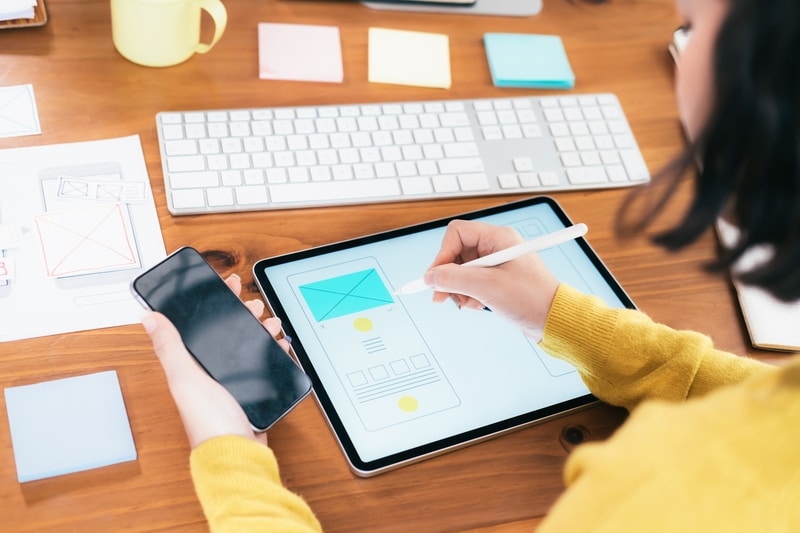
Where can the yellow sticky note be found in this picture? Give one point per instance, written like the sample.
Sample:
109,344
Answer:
409,58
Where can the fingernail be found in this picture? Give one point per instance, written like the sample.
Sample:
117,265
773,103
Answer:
288,338
234,275
150,323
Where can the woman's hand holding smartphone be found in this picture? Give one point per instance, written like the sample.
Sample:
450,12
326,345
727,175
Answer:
207,410
254,382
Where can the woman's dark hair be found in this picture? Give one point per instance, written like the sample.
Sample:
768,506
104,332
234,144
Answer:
749,151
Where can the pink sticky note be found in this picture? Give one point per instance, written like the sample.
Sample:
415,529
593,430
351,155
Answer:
299,52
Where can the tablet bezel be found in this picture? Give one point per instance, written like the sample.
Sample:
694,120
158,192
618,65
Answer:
373,467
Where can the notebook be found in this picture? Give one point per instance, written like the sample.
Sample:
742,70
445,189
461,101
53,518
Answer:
771,323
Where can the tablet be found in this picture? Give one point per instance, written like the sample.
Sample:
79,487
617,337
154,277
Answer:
400,378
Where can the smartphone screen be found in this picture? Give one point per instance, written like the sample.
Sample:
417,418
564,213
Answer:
224,336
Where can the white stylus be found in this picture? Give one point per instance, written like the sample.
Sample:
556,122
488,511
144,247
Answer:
503,256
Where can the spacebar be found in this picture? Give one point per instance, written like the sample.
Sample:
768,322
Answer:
322,191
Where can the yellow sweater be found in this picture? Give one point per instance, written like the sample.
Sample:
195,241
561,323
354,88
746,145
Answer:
688,459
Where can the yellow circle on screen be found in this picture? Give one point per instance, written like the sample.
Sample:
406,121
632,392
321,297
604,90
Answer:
362,323
409,404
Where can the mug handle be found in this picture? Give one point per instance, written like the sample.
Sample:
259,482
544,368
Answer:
218,13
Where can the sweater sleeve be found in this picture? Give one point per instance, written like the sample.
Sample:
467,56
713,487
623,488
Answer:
624,357
239,488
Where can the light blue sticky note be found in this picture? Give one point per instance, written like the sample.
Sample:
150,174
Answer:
343,295
528,60
68,425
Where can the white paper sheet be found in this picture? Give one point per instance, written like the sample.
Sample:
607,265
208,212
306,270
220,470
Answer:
18,114
17,9
70,257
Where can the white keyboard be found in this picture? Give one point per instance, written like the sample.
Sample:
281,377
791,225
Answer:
293,157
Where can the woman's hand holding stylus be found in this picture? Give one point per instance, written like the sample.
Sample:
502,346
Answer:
521,290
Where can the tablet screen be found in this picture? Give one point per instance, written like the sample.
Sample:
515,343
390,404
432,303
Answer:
401,378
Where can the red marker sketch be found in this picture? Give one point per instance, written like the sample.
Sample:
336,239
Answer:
85,241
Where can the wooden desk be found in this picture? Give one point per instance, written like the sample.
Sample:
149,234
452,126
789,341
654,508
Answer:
85,91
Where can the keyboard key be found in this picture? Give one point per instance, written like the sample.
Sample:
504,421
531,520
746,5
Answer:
584,142
522,164
182,147
549,178
609,157
531,131
172,132
217,162
453,120
230,178
616,173
364,171
460,166
251,194
416,185
188,199
571,159
634,165
461,150
565,144
445,184
186,163
512,131
590,158
583,175
220,197
528,179
277,175
171,118
473,182
559,129
334,190
508,181
253,176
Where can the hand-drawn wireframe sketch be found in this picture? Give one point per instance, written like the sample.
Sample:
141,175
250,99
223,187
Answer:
86,224
18,114
80,231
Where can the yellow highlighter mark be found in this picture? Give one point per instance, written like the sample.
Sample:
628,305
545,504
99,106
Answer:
362,324
409,404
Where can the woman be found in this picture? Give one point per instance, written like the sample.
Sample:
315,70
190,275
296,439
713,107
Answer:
711,443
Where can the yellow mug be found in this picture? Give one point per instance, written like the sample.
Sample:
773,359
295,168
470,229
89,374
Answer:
160,33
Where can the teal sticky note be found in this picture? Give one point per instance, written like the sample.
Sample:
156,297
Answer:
528,60
86,414
343,295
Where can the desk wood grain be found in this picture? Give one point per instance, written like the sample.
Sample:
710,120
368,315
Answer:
85,90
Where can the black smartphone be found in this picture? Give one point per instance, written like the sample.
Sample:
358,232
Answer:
223,336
